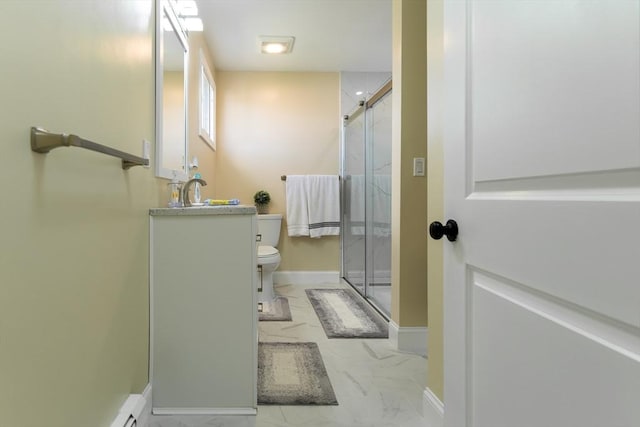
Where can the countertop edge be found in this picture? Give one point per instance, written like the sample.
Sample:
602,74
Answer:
205,210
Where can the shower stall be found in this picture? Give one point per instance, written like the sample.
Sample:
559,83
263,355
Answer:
366,192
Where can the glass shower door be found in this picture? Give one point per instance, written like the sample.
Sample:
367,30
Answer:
366,236
378,224
353,232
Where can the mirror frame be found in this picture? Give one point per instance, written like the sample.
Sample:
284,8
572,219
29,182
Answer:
164,7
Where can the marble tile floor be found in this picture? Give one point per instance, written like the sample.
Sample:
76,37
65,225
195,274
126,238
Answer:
376,385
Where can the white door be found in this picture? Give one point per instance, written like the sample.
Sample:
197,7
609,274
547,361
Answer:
542,174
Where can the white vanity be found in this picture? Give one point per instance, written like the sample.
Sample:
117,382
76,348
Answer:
204,336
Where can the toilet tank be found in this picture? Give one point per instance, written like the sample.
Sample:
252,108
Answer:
269,228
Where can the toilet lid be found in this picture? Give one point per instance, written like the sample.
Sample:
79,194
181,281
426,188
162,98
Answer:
266,250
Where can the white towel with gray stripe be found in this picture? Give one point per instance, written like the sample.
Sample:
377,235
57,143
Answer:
323,192
313,205
297,206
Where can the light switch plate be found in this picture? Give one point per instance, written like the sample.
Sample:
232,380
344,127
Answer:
418,166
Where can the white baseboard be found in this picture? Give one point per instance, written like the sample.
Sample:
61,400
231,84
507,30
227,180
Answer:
135,408
412,339
305,277
146,412
432,409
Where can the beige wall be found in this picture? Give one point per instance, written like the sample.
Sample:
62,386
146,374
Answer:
272,124
435,203
409,197
74,256
74,264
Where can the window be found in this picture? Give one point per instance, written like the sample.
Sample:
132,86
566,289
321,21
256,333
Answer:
207,104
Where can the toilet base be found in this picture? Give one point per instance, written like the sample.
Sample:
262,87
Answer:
266,280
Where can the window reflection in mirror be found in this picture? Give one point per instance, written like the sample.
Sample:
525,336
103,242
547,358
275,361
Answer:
171,95
207,104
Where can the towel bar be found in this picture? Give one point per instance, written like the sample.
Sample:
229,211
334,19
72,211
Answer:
43,141
284,177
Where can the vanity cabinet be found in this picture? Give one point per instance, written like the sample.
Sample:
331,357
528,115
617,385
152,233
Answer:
204,336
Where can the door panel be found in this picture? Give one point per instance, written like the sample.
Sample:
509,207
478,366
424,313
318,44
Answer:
545,340
537,111
571,250
542,173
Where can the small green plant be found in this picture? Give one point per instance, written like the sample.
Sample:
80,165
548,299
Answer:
261,198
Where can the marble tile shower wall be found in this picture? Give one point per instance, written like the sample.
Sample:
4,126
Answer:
353,82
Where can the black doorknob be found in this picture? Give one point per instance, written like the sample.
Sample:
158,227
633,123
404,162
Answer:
450,229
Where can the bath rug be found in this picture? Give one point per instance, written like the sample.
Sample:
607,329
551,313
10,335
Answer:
276,310
293,374
343,314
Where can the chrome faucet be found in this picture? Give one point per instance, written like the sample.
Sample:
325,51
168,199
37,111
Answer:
185,190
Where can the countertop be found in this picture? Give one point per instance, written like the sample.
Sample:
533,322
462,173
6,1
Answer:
205,210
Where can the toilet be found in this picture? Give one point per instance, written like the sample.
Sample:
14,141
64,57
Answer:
268,255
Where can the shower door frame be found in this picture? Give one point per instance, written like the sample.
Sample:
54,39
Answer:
368,273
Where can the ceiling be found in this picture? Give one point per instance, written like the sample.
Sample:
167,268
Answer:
330,35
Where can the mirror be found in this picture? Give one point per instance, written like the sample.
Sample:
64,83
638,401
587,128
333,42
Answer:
171,94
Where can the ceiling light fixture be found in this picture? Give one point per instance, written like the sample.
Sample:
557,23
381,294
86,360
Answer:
276,44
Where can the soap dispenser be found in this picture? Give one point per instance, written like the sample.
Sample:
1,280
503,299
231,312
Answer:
197,197
196,190
174,194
